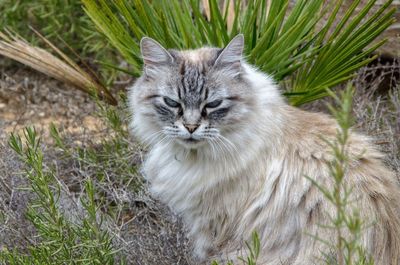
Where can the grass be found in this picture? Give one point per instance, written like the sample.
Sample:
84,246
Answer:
376,108
54,18
110,158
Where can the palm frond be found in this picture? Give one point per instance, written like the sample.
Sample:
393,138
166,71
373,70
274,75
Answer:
62,69
305,46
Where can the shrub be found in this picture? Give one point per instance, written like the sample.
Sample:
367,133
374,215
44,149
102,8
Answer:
60,240
346,219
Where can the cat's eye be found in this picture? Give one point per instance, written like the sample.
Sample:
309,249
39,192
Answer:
171,103
213,104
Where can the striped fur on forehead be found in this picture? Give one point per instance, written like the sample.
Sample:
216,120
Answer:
193,68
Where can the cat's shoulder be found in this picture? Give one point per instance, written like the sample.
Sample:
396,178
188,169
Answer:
312,134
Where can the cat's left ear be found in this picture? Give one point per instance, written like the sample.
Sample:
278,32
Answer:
231,56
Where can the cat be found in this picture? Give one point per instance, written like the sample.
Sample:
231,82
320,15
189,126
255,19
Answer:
229,155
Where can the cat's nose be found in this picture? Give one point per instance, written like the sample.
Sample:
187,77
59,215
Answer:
191,127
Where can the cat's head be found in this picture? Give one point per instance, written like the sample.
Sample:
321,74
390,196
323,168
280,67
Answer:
194,97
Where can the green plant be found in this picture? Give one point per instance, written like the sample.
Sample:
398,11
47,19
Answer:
112,155
347,250
253,249
60,240
54,18
296,45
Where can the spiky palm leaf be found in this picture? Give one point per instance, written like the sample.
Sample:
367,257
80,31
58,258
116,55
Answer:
305,46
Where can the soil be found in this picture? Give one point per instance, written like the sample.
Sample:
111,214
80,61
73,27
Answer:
30,98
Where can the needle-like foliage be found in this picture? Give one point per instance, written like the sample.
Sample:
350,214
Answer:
59,240
305,45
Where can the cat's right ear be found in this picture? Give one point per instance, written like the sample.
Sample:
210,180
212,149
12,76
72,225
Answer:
154,56
231,56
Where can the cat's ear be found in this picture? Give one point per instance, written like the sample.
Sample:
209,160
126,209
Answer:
231,56
154,56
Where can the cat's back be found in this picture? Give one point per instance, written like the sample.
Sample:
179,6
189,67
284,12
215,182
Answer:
312,133
309,139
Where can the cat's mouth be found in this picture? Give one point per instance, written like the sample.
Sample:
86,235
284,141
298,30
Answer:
191,140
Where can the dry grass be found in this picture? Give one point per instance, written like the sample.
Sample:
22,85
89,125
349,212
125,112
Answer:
63,68
377,107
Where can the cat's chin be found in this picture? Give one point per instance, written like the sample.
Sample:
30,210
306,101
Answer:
191,143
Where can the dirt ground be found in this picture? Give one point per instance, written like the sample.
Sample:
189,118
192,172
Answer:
30,98
153,234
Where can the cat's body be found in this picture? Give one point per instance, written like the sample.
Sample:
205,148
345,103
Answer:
249,174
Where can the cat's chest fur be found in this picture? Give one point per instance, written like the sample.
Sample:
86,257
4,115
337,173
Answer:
186,182
222,196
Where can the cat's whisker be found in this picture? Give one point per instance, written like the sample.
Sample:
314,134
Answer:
160,136
166,140
224,144
213,148
152,138
227,141
213,141
228,145
228,150
222,149
149,137
225,155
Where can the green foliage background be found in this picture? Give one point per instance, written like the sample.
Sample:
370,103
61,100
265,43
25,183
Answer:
307,47
64,23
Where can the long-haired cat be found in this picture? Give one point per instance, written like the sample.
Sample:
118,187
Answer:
230,155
